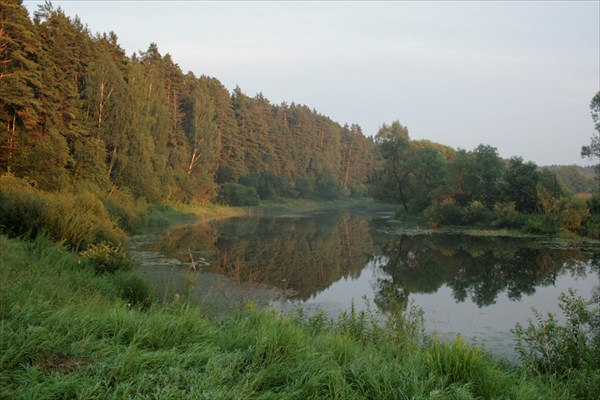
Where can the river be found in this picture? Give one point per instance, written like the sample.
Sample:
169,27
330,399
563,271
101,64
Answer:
475,286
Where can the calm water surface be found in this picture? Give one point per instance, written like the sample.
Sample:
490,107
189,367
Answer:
478,287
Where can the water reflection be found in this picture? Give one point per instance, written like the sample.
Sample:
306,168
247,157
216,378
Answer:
479,268
300,254
306,254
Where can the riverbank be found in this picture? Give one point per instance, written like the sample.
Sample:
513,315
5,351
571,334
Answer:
308,205
68,332
162,216
488,227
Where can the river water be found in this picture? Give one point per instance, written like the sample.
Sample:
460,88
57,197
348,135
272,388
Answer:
478,287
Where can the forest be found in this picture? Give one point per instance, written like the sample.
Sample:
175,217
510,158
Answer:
81,118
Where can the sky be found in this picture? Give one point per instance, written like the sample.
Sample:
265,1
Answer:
518,76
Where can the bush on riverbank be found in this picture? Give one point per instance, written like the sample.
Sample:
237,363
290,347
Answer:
69,333
570,351
234,194
77,219
86,216
567,216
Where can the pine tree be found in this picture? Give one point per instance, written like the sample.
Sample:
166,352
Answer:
201,132
230,161
20,81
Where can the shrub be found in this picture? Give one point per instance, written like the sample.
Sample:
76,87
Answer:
592,227
77,220
543,223
305,187
80,220
237,195
594,204
22,208
124,208
444,212
505,215
574,214
326,187
549,347
475,213
107,258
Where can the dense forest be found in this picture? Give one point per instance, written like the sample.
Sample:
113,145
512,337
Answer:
79,115
76,109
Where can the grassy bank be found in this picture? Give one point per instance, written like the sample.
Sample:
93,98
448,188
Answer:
308,205
85,216
68,332
161,216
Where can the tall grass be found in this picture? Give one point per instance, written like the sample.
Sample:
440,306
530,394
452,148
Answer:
77,220
69,333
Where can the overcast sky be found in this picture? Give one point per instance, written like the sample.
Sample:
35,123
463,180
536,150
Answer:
515,75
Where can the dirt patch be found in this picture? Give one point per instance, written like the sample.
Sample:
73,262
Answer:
61,364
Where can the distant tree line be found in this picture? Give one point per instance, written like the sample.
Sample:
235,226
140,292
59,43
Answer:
577,179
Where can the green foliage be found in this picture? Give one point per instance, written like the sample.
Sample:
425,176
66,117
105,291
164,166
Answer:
520,184
268,186
445,212
475,188
305,187
124,208
107,258
237,195
505,215
456,361
162,216
552,348
134,290
569,352
475,213
76,219
568,216
594,205
592,227
326,187
484,171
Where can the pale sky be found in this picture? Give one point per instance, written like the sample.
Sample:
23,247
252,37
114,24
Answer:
518,76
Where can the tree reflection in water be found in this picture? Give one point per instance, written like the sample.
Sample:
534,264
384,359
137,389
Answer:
476,267
309,253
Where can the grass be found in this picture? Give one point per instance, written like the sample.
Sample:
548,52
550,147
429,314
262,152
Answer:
309,205
162,216
67,332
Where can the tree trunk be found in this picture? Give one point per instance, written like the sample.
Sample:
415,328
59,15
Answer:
112,161
347,169
193,161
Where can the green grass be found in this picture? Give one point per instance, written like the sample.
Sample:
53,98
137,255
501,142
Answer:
309,205
69,333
